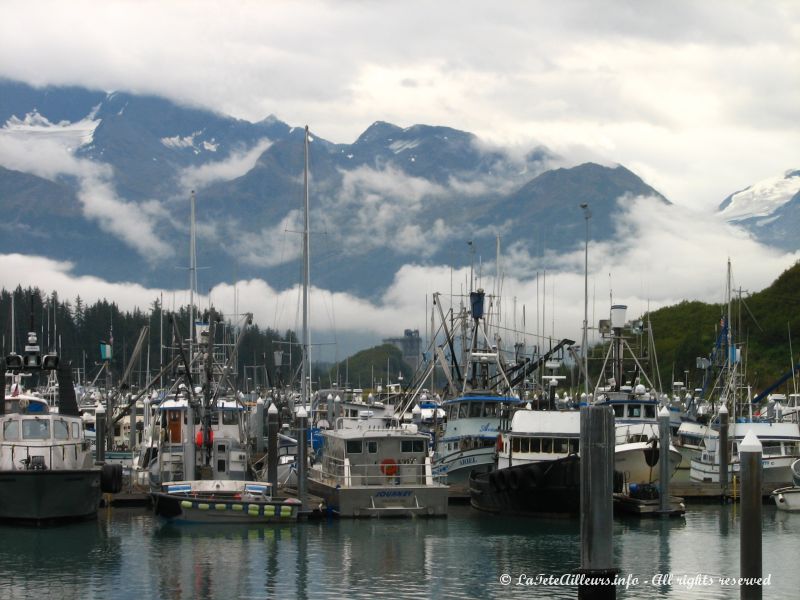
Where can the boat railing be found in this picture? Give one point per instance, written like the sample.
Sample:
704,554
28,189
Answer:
344,473
22,452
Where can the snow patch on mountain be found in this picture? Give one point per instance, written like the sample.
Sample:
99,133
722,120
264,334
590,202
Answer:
761,199
68,135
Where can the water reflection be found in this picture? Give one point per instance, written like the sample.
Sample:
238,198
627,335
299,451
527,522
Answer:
128,554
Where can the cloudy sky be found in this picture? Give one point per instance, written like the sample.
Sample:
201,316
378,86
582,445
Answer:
700,99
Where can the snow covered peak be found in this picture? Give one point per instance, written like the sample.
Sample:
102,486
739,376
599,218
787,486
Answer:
761,199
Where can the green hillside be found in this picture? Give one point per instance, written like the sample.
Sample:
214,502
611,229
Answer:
762,321
370,366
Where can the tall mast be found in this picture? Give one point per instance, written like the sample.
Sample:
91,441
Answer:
192,277
306,371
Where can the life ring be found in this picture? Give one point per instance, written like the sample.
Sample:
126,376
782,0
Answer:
389,467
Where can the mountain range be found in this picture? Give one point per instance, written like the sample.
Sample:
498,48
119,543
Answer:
103,180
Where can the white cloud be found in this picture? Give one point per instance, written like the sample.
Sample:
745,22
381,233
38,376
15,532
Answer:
659,256
51,156
236,165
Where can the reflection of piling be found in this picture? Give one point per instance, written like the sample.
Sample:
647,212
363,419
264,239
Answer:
100,434
597,486
722,452
302,449
259,433
663,464
272,446
750,452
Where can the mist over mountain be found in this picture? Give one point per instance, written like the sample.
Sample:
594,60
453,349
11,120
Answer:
103,180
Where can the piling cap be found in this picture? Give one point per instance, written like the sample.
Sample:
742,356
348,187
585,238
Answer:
330,397
416,410
273,410
100,410
723,410
750,443
301,413
664,412
260,401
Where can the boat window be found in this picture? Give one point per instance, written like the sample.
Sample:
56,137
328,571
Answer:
60,430
474,409
489,443
490,409
771,448
462,410
452,412
524,445
791,448
650,411
547,445
412,446
372,447
230,417
35,429
515,445
76,431
573,446
619,410
535,445
561,446
354,446
635,410
11,430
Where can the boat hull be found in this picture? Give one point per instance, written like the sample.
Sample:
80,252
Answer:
201,508
787,498
46,495
633,461
458,466
775,470
531,489
382,501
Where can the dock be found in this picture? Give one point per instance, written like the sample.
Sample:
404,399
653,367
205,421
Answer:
706,491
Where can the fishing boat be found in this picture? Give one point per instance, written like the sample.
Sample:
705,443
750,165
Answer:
636,453
780,440
538,467
781,449
47,472
788,498
468,441
370,467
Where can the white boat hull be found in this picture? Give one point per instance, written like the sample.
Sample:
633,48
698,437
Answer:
775,469
631,460
787,498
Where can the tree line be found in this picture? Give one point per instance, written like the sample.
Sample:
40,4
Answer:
75,330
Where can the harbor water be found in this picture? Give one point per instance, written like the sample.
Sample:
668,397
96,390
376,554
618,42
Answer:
127,553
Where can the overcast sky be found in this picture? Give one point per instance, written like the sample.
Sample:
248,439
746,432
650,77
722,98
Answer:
700,99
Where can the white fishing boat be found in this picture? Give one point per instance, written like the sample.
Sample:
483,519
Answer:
371,467
637,453
781,448
47,471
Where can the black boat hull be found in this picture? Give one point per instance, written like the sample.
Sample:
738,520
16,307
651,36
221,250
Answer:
533,489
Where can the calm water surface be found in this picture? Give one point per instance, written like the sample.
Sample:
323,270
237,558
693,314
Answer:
127,553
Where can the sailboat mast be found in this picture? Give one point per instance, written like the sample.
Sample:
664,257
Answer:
306,371
192,276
